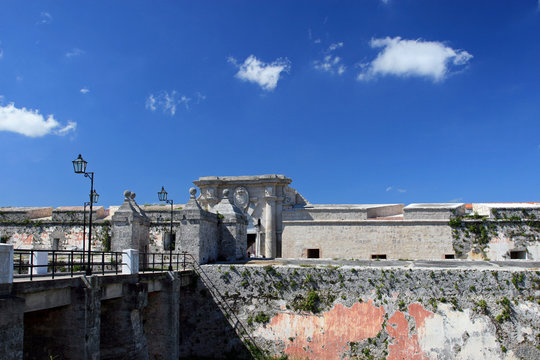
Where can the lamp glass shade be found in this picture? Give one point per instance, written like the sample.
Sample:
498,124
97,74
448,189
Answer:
162,195
95,197
79,165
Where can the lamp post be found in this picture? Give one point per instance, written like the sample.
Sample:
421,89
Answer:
162,195
79,166
95,197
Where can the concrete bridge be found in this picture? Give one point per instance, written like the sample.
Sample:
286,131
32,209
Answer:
97,317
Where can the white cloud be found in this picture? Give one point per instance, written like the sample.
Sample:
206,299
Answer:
74,52
199,97
44,18
330,62
392,188
167,102
430,59
30,122
335,46
71,126
456,200
151,102
84,90
264,74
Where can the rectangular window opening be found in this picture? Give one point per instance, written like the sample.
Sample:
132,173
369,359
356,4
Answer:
55,243
518,254
449,256
378,256
169,241
313,253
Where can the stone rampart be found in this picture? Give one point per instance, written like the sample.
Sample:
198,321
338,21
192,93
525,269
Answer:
391,312
429,239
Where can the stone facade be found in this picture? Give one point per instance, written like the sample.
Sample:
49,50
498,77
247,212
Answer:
280,222
262,199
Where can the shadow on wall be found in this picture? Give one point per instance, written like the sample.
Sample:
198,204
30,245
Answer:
205,332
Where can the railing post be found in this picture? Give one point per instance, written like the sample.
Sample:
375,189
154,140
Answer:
39,262
71,263
130,261
184,261
53,263
6,263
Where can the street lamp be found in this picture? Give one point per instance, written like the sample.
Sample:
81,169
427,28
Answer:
162,195
95,197
79,166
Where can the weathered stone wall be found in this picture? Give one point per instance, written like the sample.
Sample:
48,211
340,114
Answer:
367,312
433,211
495,239
36,234
362,239
10,214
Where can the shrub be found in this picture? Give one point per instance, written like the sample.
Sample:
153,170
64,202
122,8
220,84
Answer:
261,318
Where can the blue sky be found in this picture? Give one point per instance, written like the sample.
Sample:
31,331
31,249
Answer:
357,101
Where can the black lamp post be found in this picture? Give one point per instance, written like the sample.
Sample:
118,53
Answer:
95,197
79,166
162,195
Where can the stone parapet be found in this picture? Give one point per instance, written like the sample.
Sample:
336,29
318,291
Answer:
433,211
76,213
23,213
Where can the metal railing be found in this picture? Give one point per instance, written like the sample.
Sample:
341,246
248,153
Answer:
30,263
157,262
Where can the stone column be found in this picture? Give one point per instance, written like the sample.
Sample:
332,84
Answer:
130,261
270,231
258,249
6,263
129,226
198,234
279,226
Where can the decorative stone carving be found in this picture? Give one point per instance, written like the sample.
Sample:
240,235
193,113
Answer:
289,195
269,191
210,193
241,198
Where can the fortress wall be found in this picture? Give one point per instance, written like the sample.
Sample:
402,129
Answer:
22,213
361,239
41,235
328,312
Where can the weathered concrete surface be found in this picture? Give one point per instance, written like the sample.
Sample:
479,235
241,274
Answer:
99,317
391,312
316,336
11,327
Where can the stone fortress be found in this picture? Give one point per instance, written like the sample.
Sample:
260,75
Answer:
263,216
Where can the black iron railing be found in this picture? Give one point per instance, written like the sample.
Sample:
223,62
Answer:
64,263
157,262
